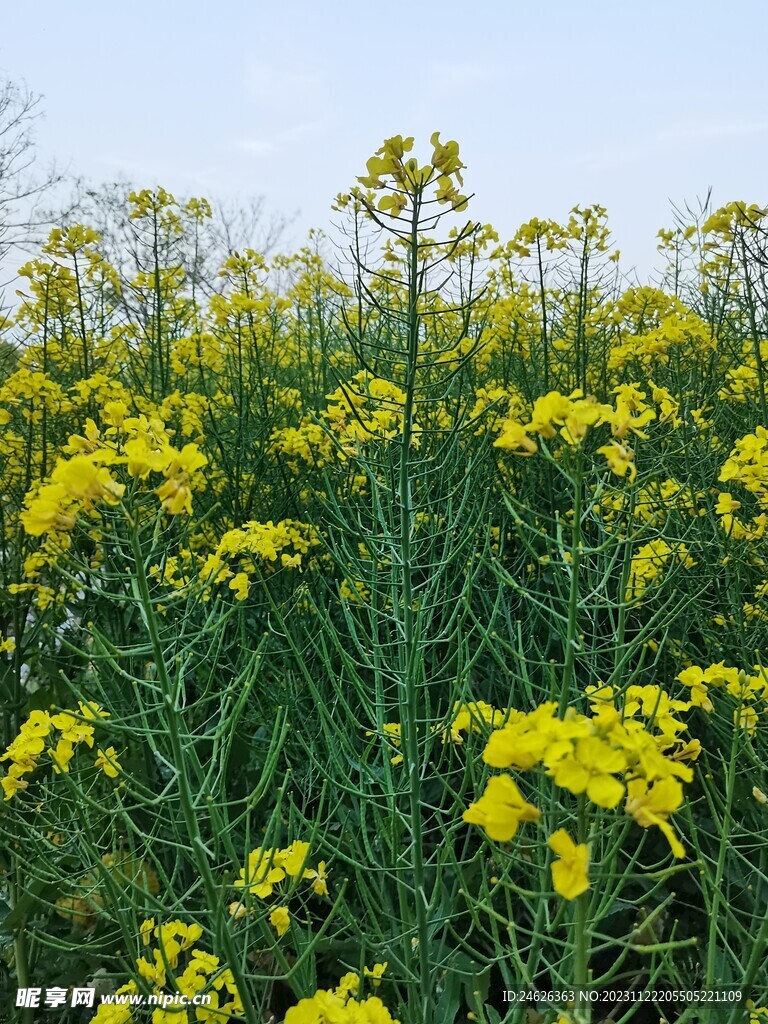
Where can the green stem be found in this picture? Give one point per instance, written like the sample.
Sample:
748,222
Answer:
581,926
573,596
408,683
717,895
21,961
175,727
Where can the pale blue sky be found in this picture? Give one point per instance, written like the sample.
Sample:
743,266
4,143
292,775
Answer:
554,103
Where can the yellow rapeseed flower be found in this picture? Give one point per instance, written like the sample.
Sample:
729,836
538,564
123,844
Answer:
570,876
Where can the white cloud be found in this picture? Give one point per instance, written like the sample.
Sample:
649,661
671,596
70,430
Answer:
268,145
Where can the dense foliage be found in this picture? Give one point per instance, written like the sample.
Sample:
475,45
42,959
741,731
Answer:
387,630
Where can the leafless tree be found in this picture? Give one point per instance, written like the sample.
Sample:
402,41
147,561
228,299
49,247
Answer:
23,187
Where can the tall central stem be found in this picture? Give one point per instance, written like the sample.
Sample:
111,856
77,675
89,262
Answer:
409,683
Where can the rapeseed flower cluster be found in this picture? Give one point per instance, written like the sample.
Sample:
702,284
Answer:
748,690
572,416
267,869
609,756
173,964
390,169
78,483
55,736
341,1004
